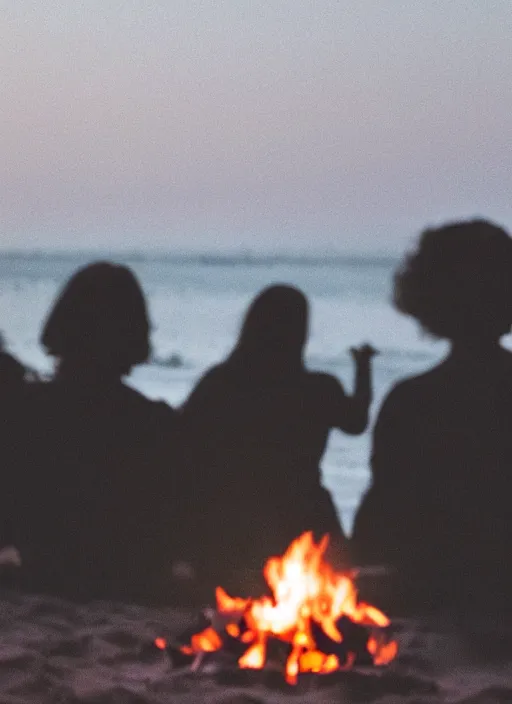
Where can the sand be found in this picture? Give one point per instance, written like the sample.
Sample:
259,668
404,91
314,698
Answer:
99,653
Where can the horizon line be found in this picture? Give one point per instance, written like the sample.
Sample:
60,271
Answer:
204,256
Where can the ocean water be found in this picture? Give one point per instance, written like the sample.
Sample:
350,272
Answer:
196,305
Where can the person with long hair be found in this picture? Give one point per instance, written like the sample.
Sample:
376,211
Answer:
255,428
95,476
438,508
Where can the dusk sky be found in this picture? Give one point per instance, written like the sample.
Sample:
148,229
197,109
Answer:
236,124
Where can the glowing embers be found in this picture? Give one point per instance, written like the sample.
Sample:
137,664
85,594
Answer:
313,617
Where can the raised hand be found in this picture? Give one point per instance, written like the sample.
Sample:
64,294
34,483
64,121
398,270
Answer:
363,353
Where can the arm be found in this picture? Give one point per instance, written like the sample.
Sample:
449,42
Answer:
362,357
353,415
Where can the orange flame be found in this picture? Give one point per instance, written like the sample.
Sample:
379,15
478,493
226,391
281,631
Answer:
160,643
306,590
208,641
254,657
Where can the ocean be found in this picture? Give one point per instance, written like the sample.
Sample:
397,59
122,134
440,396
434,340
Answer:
196,305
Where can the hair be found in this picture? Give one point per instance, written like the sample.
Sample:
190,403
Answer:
99,319
458,281
273,334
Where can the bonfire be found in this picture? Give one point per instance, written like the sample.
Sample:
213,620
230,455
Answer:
313,611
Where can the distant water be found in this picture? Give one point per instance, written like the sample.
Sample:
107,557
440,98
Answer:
196,305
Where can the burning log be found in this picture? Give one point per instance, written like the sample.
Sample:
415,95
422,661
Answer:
353,647
312,623
175,652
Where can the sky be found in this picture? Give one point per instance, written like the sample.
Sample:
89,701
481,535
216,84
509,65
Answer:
273,125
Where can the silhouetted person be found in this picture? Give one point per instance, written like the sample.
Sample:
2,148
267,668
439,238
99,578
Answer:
94,491
12,373
438,508
12,388
255,428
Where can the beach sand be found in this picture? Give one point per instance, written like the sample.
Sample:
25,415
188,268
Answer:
102,653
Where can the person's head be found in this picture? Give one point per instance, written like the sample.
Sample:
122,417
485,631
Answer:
274,332
458,282
99,321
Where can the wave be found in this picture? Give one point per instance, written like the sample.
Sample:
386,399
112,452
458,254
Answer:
209,259
171,361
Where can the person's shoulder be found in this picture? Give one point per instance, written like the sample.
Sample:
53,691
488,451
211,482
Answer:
11,367
215,373
156,407
422,381
163,410
154,419
324,384
415,390
218,375
409,386
322,378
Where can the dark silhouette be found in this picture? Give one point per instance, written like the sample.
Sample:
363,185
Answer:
256,427
12,386
438,508
92,504
12,373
